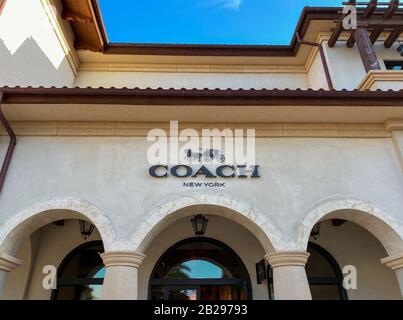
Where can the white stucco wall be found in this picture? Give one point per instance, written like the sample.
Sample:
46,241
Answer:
30,52
191,80
298,174
346,67
316,74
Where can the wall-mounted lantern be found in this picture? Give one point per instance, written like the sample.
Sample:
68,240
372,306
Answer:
86,229
315,233
199,224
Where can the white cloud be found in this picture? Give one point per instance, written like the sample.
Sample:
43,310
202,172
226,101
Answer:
232,4
223,4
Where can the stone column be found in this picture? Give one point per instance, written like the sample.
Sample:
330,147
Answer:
121,277
289,275
7,264
396,264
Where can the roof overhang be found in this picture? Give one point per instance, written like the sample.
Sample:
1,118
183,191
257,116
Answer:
161,105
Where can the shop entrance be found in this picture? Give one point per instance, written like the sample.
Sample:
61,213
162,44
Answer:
200,269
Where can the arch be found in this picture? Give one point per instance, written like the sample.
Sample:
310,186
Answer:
363,213
249,216
39,214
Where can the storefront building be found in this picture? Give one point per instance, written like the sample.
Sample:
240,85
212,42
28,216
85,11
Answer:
79,196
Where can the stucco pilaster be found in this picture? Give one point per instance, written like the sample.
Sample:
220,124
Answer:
7,264
395,126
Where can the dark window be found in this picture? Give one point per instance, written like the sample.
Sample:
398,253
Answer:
200,269
394,65
324,276
81,274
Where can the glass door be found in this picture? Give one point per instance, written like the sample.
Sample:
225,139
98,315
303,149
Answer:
200,269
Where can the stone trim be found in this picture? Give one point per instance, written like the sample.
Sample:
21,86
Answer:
141,129
190,68
289,258
122,259
9,263
394,124
266,231
323,209
394,262
83,207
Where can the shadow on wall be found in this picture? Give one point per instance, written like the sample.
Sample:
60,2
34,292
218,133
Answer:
29,66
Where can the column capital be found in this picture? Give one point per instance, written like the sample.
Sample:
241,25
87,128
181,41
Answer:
122,258
287,258
394,262
8,263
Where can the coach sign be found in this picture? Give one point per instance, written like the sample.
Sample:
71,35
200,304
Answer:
186,171
216,153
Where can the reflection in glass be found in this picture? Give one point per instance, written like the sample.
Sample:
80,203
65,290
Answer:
197,269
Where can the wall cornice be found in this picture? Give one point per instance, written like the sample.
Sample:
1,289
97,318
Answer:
375,78
190,68
140,129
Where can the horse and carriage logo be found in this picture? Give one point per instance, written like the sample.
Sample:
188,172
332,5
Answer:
204,155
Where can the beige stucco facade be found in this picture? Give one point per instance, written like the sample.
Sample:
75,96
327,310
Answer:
89,162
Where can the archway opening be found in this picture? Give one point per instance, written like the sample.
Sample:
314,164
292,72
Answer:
51,246
356,242
231,257
200,268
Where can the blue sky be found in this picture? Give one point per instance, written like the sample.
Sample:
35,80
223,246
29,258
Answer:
204,21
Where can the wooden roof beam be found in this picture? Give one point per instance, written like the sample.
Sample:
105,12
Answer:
339,27
74,16
390,11
336,33
375,34
370,8
351,40
82,45
392,38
